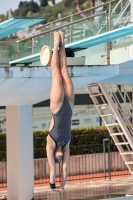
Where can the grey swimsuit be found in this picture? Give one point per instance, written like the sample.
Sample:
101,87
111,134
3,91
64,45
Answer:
61,131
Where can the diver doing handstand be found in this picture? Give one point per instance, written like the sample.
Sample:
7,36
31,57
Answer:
61,105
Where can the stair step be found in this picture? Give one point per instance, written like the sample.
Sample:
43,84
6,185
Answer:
128,163
104,104
113,134
111,124
121,143
126,153
93,85
96,95
104,115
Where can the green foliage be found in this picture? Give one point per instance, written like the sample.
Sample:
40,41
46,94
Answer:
40,139
43,3
51,12
2,141
80,136
88,136
65,8
25,7
32,9
82,139
2,17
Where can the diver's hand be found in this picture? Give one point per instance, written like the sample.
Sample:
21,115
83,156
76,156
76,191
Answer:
61,189
58,189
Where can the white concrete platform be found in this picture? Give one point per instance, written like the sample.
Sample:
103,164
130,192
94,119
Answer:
30,85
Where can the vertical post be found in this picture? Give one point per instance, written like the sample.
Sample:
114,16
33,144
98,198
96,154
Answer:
51,36
33,45
104,159
109,168
104,154
108,28
20,170
71,30
121,5
100,121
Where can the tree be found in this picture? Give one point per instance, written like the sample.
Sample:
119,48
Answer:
33,6
20,4
92,4
25,7
68,3
43,3
104,1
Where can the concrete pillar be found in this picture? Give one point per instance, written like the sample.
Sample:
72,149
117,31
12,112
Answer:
20,169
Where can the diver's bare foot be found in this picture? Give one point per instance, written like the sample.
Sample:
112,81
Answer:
56,40
62,42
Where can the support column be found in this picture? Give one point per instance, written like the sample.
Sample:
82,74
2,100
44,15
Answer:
20,169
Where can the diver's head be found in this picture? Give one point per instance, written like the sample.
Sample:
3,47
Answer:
58,154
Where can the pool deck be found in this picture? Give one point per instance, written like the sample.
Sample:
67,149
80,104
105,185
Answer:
100,189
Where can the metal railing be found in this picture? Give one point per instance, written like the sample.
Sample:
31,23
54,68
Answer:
75,29
126,6
73,15
63,26
71,22
86,162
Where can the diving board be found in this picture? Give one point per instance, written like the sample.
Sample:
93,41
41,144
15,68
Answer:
83,44
101,38
13,25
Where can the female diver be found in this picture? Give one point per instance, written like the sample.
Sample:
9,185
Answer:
61,105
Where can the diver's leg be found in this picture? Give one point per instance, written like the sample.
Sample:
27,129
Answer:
67,82
57,90
56,99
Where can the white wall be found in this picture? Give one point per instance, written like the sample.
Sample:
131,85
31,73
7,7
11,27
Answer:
121,54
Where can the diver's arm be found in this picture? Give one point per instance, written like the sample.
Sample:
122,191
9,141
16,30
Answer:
50,155
65,162
51,162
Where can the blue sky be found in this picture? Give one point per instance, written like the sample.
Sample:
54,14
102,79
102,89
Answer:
12,4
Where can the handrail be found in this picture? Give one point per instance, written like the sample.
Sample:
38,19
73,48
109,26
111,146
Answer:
6,41
120,14
124,9
50,23
78,13
116,6
62,26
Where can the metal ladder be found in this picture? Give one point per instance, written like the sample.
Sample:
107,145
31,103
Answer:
111,112
122,13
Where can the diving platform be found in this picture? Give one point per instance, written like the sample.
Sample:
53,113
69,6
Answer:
14,25
30,85
82,44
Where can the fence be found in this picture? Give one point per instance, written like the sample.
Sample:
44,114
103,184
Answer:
83,164
86,162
